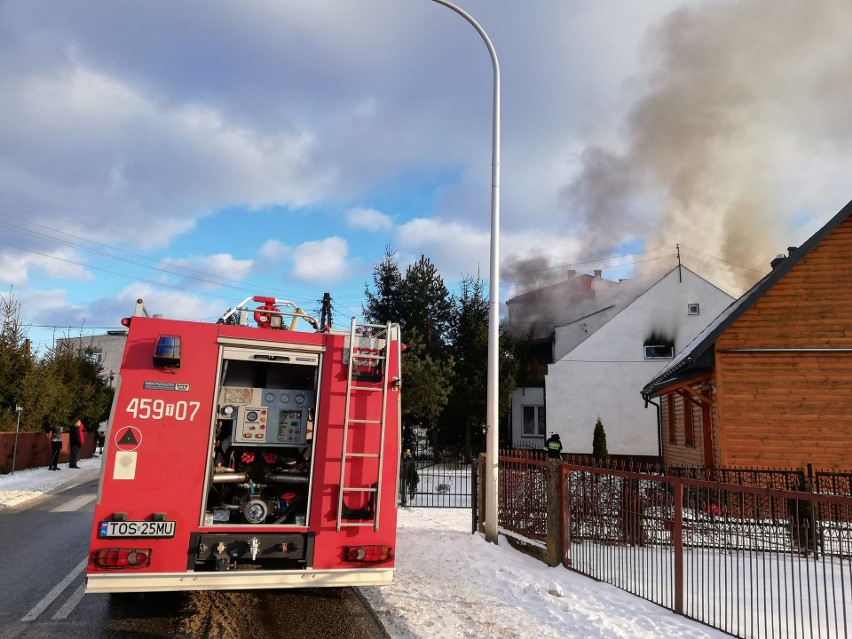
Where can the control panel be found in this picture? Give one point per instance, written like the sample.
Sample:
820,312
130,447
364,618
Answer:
268,416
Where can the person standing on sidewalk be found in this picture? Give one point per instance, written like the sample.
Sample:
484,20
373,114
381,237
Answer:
55,435
76,440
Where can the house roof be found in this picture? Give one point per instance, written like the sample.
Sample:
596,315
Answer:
582,284
694,357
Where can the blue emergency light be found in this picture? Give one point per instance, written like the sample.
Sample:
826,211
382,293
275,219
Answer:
167,351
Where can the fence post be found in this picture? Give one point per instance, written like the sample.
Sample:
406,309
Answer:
565,518
474,494
677,544
481,493
554,512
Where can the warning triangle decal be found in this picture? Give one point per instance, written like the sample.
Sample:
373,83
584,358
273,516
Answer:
128,439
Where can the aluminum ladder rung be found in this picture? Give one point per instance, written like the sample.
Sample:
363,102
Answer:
353,524
368,455
358,490
361,355
365,421
367,388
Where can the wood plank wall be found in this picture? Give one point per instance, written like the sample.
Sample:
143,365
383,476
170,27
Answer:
780,406
678,453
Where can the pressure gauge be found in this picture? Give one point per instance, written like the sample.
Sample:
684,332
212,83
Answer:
252,416
269,397
300,399
285,398
255,511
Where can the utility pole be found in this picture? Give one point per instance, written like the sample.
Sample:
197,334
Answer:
325,313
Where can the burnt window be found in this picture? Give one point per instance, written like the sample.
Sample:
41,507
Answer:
659,351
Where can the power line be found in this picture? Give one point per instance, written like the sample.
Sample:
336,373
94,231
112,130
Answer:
166,267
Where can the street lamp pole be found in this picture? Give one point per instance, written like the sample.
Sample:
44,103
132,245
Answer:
492,419
18,410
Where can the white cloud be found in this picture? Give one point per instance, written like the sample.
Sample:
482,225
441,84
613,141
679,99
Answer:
207,269
321,262
172,304
17,266
368,219
89,152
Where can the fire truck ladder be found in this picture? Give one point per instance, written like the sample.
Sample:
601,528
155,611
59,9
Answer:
367,373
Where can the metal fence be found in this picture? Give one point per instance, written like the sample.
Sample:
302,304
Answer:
522,497
752,560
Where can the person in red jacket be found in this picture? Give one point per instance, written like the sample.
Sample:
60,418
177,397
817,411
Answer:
75,441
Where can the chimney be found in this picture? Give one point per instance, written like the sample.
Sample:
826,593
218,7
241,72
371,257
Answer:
778,261
598,273
791,250
572,273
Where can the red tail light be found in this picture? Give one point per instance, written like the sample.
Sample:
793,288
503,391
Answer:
119,558
368,554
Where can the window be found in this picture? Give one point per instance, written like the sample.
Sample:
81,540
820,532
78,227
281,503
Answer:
95,355
688,431
534,421
693,309
659,351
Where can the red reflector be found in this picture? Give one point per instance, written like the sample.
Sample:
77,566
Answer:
368,554
125,321
118,558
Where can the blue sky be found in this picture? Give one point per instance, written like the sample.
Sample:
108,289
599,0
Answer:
196,153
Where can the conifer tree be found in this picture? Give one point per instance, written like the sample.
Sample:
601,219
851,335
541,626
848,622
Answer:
599,451
385,304
427,382
427,305
16,361
464,423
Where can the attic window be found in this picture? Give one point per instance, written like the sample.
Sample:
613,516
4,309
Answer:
659,351
693,309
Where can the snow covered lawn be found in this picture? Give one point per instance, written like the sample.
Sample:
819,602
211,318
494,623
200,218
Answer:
452,584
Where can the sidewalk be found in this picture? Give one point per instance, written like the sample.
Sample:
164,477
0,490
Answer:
24,485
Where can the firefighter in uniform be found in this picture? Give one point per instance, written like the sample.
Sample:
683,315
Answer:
553,446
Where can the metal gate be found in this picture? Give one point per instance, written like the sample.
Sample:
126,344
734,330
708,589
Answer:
433,480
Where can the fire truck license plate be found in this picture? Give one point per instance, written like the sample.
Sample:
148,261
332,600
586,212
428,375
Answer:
136,529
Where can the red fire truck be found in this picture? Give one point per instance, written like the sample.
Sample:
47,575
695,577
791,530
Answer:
249,454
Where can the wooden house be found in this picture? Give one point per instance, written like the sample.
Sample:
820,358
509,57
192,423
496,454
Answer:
769,381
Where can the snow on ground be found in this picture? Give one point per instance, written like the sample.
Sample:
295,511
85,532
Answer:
452,584
23,485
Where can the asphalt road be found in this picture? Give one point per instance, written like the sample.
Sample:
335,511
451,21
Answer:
43,546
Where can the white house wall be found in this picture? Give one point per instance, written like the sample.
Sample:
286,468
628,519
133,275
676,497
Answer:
567,338
603,375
